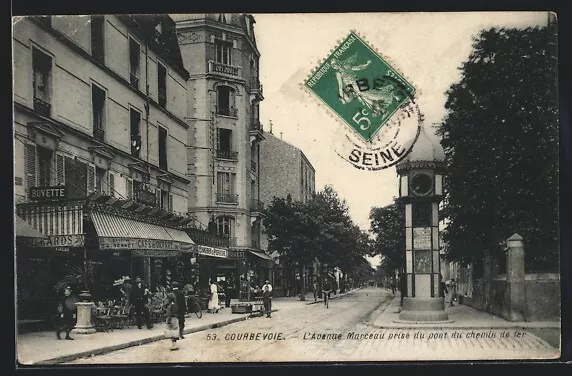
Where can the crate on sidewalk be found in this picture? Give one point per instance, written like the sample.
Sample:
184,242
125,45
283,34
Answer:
237,306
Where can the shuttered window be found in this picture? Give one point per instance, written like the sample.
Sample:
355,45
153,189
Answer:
129,185
90,178
60,169
76,177
31,166
111,184
170,203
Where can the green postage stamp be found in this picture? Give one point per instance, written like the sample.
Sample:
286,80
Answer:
369,95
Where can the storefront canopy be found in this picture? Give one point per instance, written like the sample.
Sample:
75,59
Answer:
24,230
262,255
116,232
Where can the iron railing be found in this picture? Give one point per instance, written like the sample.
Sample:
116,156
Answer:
224,69
229,198
227,154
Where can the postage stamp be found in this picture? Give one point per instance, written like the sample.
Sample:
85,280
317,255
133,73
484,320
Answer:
370,96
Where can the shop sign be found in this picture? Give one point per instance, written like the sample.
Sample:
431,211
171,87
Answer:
214,252
154,253
74,240
62,249
47,193
132,243
236,254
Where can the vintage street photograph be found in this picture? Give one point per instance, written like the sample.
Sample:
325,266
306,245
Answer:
295,187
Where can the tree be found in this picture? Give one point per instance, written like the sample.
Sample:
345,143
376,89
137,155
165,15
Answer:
388,225
500,138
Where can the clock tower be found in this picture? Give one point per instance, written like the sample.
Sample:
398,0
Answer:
420,191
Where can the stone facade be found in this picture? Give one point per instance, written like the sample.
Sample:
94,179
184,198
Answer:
79,85
224,93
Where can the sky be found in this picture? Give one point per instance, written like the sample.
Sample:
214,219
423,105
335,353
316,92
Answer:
427,48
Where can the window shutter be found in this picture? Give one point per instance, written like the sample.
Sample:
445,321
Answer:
90,178
31,165
60,170
129,185
158,196
170,203
111,184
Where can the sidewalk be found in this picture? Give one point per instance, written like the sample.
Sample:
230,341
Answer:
462,316
44,348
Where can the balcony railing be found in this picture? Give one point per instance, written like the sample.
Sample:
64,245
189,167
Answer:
227,198
206,238
226,111
134,80
42,107
227,154
256,86
256,205
224,69
99,134
232,241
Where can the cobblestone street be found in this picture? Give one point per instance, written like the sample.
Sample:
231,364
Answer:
343,332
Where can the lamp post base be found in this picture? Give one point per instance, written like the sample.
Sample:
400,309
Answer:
424,310
83,324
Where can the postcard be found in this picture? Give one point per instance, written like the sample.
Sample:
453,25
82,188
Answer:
328,187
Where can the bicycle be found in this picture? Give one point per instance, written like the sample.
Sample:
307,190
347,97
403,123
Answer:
195,307
326,294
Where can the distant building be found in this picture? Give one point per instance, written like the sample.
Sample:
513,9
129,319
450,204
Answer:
285,171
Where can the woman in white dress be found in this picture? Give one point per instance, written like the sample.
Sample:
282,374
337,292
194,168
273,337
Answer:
213,302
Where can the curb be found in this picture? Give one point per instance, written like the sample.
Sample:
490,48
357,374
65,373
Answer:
334,297
155,338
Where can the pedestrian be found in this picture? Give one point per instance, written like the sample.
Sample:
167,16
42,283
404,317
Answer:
267,298
67,313
140,298
442,287
315,288
213,302
181,306
172,328
452,292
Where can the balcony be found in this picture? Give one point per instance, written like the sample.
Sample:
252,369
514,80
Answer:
256,132
256,206
42,107
256,88
227,198
224,70
226,111
227,154
99,134
134,80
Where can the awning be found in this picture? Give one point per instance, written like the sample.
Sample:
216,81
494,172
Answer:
116,232
261,255
24,230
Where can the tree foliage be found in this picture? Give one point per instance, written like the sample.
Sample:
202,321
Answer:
320,229
500,138
388,226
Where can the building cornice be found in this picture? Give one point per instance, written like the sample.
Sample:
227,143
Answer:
64,39
91,139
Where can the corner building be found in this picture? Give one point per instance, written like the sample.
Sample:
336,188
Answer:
223,95
100,147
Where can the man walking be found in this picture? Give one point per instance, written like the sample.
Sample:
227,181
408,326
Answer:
139,298
181,306
267,298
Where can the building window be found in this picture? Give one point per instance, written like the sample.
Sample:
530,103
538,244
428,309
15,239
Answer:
100,183
45,165
224,226
80,177
225,101
42,81
134,61
225,188
97,37
224,145
163,148
162,84
223,52
135,120
98,108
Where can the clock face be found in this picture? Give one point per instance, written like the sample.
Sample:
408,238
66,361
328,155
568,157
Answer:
421,184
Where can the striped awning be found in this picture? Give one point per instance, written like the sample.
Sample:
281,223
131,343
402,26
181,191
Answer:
116,232
261,255
24,230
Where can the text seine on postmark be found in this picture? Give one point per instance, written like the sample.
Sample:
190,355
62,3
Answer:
369,95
